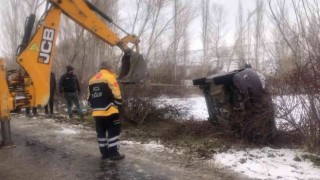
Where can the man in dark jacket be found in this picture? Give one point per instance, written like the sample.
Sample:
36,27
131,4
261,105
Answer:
69,85
52,91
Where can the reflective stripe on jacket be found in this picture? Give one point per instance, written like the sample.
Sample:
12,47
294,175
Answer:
104,94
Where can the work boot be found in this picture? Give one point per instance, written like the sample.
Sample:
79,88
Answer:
81,117
70,117
105,153
104,156
116,156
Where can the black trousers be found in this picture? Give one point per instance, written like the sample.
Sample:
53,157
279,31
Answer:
50,104
108,145
34,111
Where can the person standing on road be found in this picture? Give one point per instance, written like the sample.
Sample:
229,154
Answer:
34,111
105,101
52,91
69,85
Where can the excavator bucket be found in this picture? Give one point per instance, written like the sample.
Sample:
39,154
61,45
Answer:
133,68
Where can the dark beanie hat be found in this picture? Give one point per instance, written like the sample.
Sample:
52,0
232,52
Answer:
69,68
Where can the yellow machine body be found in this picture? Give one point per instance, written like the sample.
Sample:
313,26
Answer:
37,57
6,99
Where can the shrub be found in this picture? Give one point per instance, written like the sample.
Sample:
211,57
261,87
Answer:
298,103
141,104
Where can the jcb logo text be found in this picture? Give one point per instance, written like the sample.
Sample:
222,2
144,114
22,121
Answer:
46,46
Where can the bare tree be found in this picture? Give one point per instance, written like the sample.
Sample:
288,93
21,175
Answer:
182,19
217,28
240,34
213,26
161,33
258,33
279,50
302,38
13,15
175,39
205,15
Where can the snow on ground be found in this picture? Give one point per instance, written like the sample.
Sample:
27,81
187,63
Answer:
291,108
195,106
66,130
293,103
151,146
267,163
263,163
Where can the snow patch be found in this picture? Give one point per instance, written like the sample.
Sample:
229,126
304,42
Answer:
292,108
195,106
67,131
267,163
49,120
151,146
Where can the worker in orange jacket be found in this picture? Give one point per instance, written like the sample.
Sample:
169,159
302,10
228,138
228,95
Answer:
105,101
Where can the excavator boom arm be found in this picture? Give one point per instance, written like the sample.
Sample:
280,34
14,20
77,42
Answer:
87,15
36,55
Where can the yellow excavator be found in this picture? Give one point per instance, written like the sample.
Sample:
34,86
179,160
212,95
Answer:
29,86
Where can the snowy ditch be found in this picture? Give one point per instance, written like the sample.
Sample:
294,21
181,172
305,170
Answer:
263,163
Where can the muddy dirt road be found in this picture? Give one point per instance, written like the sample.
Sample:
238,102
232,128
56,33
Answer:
50,150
